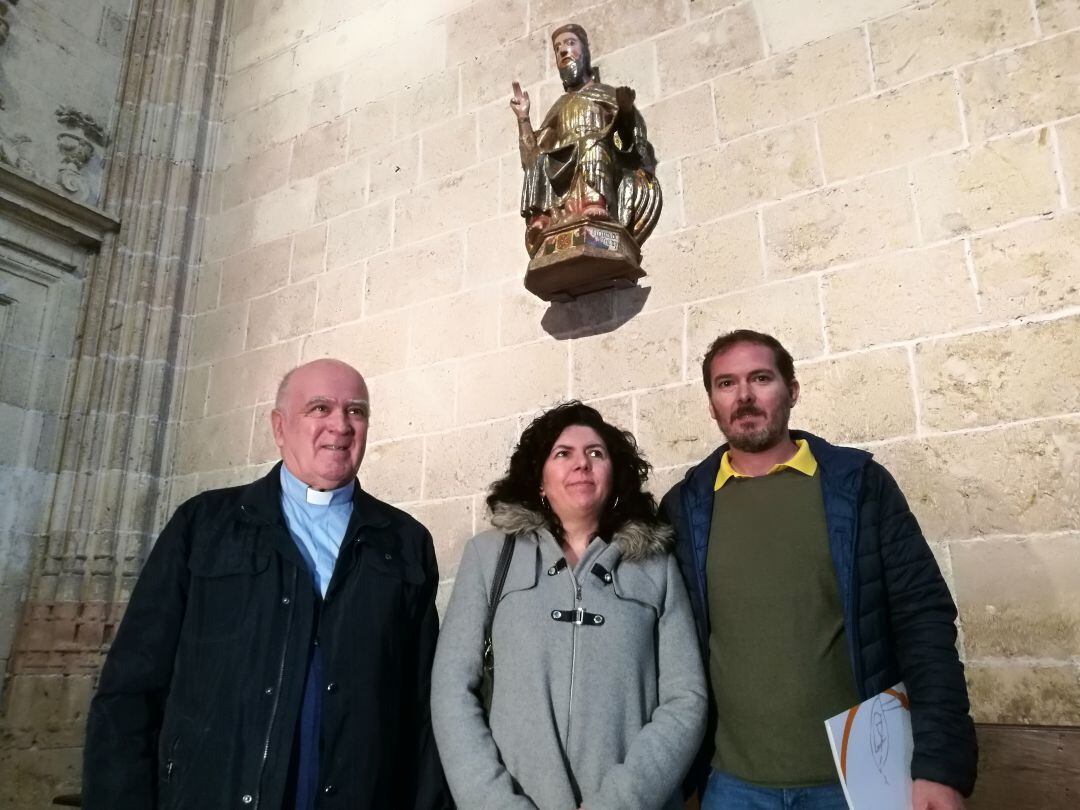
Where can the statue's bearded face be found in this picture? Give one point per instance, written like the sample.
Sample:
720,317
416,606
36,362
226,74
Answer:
572,58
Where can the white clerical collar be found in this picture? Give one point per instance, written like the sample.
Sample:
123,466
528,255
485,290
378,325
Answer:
319,497
300,492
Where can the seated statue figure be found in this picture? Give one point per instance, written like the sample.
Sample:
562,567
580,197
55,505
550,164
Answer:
590,159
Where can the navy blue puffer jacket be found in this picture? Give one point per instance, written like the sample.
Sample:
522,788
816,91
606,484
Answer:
898,614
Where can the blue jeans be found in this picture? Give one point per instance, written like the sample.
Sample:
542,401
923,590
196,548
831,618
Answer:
725,792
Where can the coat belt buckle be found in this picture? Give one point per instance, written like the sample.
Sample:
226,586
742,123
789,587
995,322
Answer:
579,616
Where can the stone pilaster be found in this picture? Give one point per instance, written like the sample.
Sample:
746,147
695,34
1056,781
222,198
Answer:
118,424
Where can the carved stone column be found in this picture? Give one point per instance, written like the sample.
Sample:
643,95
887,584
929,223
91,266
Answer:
118,425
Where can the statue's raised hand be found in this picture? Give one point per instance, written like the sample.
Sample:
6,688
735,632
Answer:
519,103
624,97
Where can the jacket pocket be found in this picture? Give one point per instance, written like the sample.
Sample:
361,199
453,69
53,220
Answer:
225,579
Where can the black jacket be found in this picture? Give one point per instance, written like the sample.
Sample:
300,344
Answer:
200,694
899,617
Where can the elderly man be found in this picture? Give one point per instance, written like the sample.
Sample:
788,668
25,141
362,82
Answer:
276,651
813,590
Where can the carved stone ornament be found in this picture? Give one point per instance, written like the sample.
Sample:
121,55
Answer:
76,150
590,196
91,129
5,29
12,147
12,153
5,23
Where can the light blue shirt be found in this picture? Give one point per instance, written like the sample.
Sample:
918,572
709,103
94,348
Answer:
317,522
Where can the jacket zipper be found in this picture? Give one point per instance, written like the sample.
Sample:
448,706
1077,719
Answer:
573,650
277,685
573,662
699,566
853,606
170,763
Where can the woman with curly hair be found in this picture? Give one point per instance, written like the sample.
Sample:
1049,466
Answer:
599,697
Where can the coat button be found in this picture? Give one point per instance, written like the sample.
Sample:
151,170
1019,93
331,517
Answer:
556,614
597,619
607,577
388,556
285,600
269,690
331,687
552,571
247,798
329,790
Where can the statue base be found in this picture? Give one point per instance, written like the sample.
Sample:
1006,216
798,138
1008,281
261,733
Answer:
582,257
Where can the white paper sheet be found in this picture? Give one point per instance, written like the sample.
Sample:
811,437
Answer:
871,745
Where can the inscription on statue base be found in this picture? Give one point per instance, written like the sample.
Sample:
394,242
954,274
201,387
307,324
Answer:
583,257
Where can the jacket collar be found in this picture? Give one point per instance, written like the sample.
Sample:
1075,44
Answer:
261,499
840,466
635,539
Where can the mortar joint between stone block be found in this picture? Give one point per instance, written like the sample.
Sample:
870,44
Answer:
965,133
763,252
1034,6
475,510
818,151
766,49
1059,166
920,237
977,429
969,262
986,57
1022,661
570,368
826,348
870,56
920,429
685,359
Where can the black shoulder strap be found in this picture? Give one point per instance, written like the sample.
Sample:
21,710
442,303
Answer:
501,568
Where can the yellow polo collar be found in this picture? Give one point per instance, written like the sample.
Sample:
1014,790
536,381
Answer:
803,461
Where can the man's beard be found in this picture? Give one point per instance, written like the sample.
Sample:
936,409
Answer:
574,72
768,435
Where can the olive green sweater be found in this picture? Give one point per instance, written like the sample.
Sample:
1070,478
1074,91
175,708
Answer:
778,653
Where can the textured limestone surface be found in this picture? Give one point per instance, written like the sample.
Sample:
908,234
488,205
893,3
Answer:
61,65
892,187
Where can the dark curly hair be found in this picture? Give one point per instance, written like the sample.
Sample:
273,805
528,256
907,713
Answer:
630,471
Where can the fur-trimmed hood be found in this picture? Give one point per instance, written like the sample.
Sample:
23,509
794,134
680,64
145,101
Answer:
637,540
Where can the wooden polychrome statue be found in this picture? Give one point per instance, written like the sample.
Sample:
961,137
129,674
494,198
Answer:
590,196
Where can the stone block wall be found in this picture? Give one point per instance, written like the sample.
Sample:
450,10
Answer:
893,188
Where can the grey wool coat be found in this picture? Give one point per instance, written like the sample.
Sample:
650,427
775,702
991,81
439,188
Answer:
607,713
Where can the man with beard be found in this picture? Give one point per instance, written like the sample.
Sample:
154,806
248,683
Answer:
590,158
813,590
